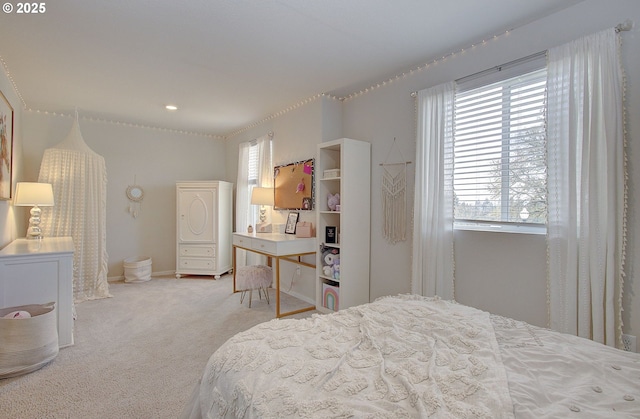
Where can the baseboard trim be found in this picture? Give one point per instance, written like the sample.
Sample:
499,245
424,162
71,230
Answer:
120,278
298,296
164,273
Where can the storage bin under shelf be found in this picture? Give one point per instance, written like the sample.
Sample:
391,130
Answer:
330,297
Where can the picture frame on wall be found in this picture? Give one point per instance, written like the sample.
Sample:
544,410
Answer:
6,147
292,220
307,204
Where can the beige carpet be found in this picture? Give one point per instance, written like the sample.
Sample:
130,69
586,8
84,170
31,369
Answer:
138,354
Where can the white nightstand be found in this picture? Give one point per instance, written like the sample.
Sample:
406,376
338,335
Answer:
39,272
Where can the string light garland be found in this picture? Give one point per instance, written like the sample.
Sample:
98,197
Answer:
301,103
625,26
282,112
130,124
102,120
384,83
13,82
426,66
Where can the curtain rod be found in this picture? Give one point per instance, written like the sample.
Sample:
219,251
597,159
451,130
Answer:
625,26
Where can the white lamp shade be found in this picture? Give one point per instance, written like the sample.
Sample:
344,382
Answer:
262,196
33,193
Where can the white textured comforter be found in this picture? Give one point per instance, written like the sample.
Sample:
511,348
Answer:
414,357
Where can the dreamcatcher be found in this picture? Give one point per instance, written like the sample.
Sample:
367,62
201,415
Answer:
135,195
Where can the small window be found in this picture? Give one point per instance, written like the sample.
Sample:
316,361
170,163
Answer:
500,176
253,165
254,169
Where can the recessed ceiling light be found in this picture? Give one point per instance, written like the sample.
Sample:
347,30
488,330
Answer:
171,107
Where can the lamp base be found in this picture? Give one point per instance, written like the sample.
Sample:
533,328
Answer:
35,232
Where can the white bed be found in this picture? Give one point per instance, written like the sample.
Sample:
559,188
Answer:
414,357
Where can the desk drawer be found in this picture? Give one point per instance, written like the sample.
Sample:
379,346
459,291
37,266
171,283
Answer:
242,241
197,264
195,250
264,246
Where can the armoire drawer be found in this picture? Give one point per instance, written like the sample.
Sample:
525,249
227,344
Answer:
199,264
194,250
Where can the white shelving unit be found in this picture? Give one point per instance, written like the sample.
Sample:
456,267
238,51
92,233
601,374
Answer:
352,222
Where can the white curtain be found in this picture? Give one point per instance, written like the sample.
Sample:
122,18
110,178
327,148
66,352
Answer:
246,214
433,263
586,182
243,194
265,166
79,180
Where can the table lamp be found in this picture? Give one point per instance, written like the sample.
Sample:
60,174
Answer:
262,197
36,195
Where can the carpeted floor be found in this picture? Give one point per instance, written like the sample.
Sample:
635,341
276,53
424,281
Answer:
138,354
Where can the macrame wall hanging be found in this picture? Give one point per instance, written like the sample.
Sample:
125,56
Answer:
394,198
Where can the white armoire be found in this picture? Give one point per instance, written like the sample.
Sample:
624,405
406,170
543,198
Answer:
204,228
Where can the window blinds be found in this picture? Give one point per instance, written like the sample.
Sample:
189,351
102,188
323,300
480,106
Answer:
499,145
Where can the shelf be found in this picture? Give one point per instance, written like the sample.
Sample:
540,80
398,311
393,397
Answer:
353,183
328,278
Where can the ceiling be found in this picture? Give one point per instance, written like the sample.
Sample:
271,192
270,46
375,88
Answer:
228,64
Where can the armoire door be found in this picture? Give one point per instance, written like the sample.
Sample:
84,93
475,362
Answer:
196,215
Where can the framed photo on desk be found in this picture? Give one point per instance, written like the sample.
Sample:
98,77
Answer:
292,219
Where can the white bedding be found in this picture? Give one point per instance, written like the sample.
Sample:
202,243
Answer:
409,357
555,375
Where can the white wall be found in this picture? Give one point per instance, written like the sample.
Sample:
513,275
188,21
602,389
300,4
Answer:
504,273
155,158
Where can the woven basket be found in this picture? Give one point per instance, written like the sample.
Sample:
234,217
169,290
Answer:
137,269
27,344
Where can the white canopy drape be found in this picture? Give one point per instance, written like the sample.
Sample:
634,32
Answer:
79,180
433,265
586,182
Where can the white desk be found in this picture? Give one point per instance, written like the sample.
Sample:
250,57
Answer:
39,272
279,247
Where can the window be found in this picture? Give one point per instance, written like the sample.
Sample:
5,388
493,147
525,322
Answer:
254,169
252,180
499,165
